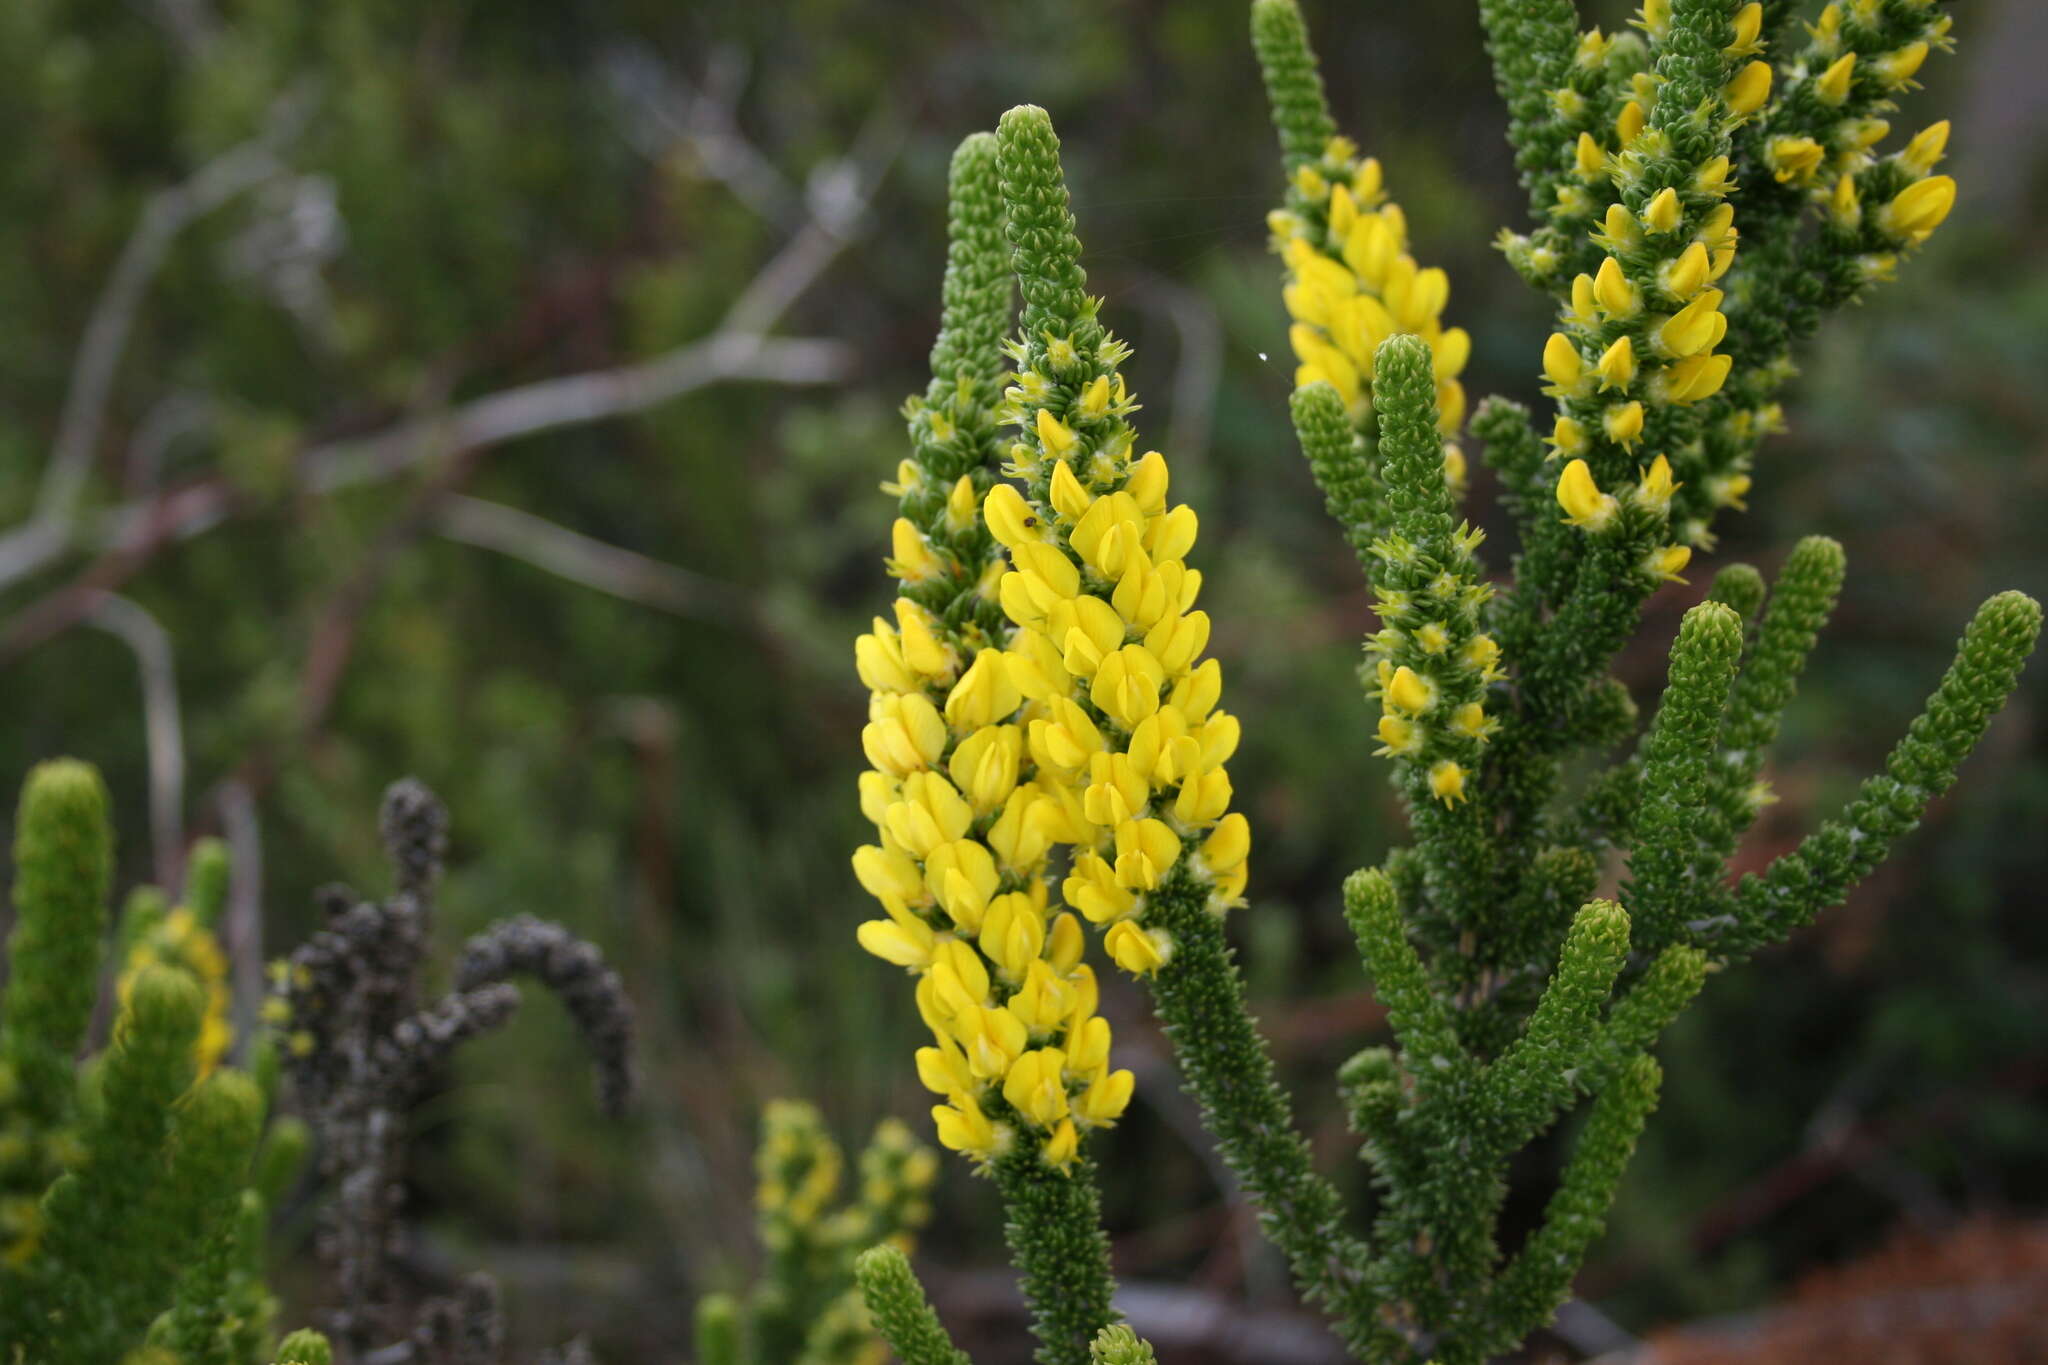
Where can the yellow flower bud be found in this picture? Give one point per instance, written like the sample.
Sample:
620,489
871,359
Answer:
1584,504
1749,27
1094,402
1623,423
1926,149
1833,85
1685,275
1588,158
1409,691
1447,781
1655,491
1695,327
1617,365
1147,484
1917,210
1135,950
962,1127
1470,720
1663,213
1794,159
1614,293
1057,438
1748,89
1562,364
1629,123
1668,562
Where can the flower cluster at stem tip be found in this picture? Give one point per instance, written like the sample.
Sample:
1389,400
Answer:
1076,719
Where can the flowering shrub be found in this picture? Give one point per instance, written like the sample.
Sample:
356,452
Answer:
1706,188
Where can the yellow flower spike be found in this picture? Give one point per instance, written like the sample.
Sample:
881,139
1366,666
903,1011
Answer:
1686,274
1447,781
1749,27
1568,437
1589,158
1655,491
1926,149
1146,851
1845,208
1062,1147
1010,519
984,695
910,554
1136,951
1917,210
1056,436
1104,1101
1562,365
1409,691
1695,327
1748,89
1399,737
1833,85
963,1128
1623,423
1612,290
906,733
942,1068
1584,504
1064,946
1794,159
1617,365
1663,213
1628,125
1147,484
1203,798
1669,562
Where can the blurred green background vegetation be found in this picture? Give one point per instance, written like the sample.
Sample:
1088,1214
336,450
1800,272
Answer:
620,648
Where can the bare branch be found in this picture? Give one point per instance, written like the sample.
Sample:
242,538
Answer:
592,563
165,731
242,927
168,213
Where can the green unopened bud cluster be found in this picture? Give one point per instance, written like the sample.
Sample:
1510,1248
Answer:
134,1187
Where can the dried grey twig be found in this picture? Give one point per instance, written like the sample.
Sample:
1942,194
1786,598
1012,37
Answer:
364,1050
